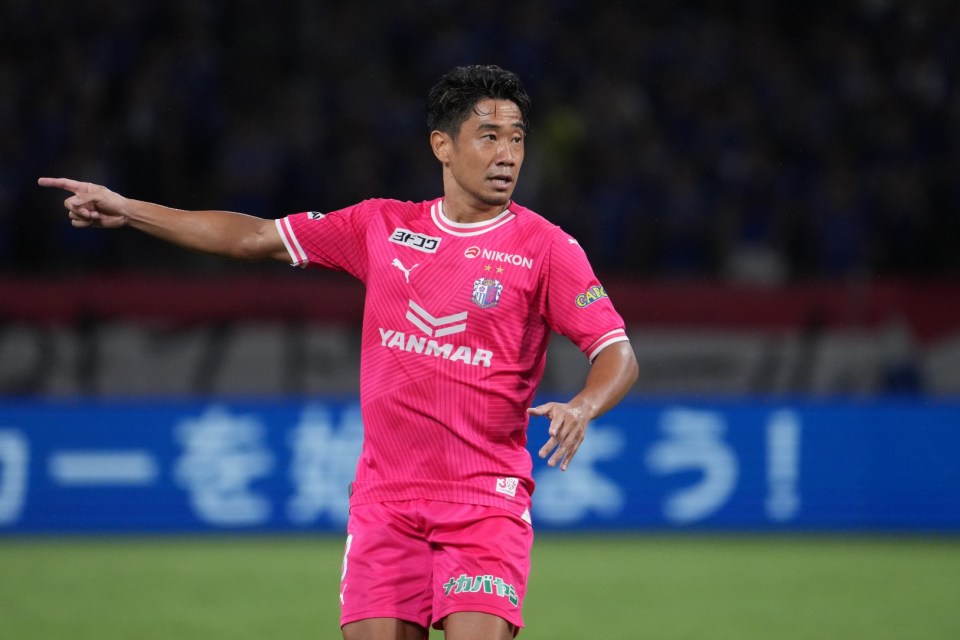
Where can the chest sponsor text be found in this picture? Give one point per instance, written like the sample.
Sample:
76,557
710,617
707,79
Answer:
418,241
499,256
429,347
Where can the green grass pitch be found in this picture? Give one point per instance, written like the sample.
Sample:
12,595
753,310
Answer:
598,587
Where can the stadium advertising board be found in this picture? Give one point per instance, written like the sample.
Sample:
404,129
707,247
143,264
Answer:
283,466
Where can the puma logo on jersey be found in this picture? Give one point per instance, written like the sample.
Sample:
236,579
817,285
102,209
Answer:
406,272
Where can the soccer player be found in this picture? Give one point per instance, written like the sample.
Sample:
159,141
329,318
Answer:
462,293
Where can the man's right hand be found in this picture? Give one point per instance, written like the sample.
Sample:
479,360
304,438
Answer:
91,205
222,233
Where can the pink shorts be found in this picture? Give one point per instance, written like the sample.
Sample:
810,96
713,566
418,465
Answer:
421,560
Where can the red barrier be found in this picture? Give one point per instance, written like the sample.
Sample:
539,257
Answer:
931,309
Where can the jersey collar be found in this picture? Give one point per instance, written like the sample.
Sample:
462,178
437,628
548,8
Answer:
465,229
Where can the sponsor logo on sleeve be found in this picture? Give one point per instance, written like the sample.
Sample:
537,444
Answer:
314,215
590,296
418,241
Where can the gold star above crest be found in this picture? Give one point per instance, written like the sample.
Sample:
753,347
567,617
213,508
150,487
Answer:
486,268
499,269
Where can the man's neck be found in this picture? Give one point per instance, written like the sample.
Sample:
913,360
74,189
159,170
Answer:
456,210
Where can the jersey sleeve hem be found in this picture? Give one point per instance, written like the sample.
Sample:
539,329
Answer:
298,256
604,341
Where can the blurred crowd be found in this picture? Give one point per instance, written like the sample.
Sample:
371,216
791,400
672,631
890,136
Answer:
765,142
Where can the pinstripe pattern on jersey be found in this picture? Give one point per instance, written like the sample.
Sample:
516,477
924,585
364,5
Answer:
445,381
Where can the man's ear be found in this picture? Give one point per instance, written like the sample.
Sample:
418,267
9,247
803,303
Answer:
440,142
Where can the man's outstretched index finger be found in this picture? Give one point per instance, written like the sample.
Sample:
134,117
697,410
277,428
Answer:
64,183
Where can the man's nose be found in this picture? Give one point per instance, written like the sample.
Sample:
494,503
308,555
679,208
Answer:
505,154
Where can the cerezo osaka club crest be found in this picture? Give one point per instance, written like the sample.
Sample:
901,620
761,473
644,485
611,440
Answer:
486,292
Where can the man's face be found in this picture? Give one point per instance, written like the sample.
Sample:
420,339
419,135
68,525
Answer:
484,159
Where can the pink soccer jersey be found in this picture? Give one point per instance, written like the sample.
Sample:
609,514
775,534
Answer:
456,323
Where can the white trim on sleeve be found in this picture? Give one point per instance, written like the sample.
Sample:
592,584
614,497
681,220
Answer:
298,256
617,335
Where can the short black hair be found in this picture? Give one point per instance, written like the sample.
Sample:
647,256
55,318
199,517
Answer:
453,98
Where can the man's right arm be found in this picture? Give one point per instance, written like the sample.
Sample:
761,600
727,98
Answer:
223,233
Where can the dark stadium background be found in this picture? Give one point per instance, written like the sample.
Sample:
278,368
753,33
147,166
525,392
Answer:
670,137
733,166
